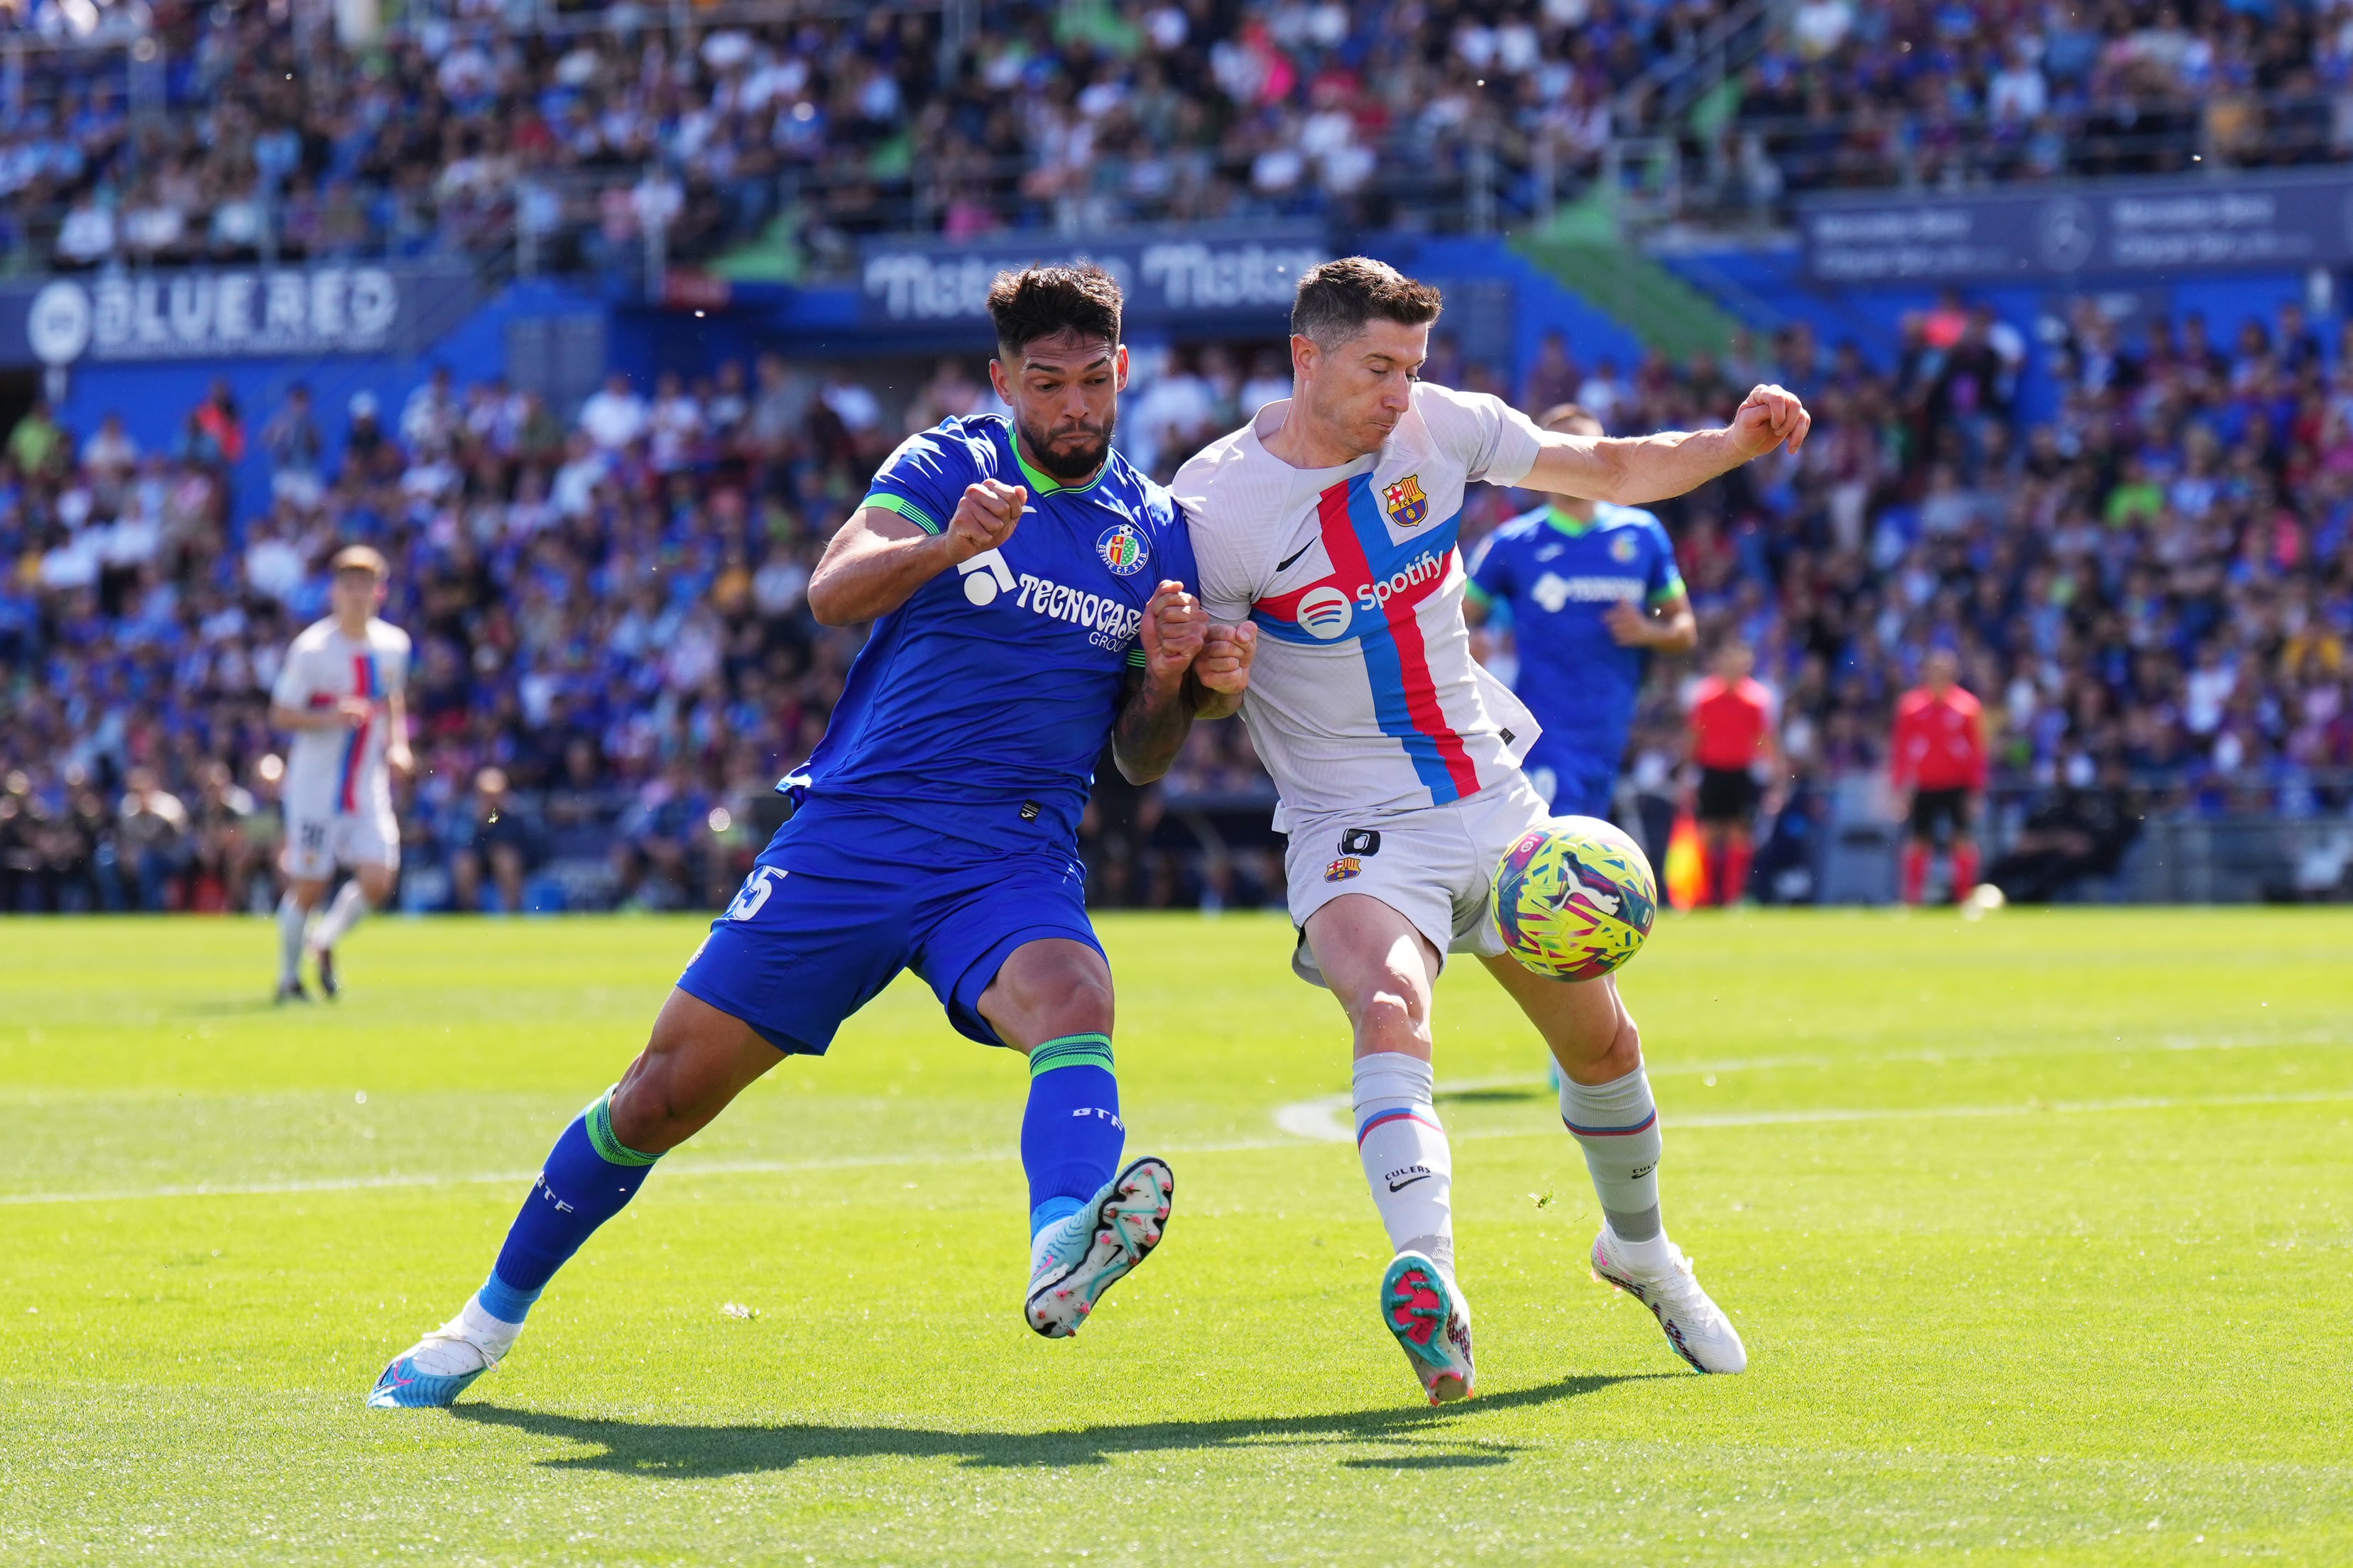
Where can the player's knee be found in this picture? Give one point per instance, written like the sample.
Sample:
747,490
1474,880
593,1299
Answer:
1049,990
1624,1052
1596,1045
1391,1017
662,1101
1072,1001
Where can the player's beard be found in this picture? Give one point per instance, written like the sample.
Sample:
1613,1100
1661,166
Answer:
1071,463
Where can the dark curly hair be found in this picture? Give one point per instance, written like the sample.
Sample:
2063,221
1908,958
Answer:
1039,301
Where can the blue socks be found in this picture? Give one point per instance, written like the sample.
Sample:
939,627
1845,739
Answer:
1070,1142
1071,1134
590,1177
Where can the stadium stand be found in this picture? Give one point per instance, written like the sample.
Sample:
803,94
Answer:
2153,593
2144,562
776,135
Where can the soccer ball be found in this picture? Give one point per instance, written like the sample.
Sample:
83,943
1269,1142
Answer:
1574,898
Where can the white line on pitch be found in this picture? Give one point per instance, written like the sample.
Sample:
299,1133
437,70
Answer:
483,1178
1315,1120
857,1161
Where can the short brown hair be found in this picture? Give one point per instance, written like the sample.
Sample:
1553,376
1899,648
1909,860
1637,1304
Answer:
1337,299
1039,301
1561,414
359,557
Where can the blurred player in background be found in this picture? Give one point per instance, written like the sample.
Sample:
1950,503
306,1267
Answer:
1330,520
1936,761
341,693
1732,737
1591,591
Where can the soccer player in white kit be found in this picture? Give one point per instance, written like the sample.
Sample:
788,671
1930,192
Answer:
1330,521
341,693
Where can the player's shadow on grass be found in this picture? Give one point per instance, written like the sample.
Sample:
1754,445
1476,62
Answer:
662,1450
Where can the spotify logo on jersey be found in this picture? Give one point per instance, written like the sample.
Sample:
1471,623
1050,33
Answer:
1323,612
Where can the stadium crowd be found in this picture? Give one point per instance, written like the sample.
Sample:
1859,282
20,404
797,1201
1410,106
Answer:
2153,591
467,129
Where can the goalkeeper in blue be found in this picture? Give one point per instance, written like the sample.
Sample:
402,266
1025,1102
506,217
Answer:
1031,596
1590,592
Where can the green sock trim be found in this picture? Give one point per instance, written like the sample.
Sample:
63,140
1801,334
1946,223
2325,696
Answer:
609,1149
1071,1051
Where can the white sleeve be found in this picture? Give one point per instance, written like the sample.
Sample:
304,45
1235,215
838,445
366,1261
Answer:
1491,440
394,664
1218,534
293,689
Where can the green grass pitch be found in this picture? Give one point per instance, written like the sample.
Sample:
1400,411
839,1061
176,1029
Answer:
2037,1229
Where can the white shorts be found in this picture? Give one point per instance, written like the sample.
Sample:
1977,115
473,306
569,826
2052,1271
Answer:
315,845
1435,866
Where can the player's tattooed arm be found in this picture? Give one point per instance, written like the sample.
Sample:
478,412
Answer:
879,559
1632,472
1158,703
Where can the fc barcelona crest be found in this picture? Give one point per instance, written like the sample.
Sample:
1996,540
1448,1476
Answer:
1408,507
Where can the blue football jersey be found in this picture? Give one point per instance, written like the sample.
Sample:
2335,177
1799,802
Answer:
1557,585
979,707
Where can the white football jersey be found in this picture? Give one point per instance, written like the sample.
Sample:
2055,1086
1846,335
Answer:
1363,697
334,771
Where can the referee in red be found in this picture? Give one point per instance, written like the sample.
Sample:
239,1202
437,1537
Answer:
1732,732
1936,761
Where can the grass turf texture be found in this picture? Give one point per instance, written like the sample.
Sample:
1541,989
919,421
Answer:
2036,1228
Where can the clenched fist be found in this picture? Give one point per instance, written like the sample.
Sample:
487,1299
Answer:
1770,417
1174,627
1224,664
984,519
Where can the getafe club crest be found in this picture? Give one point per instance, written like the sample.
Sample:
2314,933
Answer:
1122,549
1622,549
1408,507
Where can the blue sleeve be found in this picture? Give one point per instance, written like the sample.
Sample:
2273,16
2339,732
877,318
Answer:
1491,570
1665,581
1176,560
1172,561
925,480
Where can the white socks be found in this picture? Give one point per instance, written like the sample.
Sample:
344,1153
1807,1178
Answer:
1616,1125
495,1335
290,916
341,915
1406,1162
470,1341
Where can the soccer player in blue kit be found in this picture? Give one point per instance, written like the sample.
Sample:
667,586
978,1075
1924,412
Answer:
1031,595
1591,591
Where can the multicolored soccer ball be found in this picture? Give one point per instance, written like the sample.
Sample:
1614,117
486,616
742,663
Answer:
1574,898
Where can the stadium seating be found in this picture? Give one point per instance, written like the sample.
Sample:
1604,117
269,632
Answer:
559,138
2157,585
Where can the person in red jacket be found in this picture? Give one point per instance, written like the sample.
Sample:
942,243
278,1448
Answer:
1937,764
1732,732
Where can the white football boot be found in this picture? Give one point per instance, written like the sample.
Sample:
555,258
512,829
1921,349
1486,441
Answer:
1078,1257
1431,1321
1696,1326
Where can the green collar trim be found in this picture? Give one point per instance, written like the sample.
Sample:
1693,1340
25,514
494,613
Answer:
1572,526
1044,484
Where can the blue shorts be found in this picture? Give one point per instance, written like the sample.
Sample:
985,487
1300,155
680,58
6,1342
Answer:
1573,784
842,900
